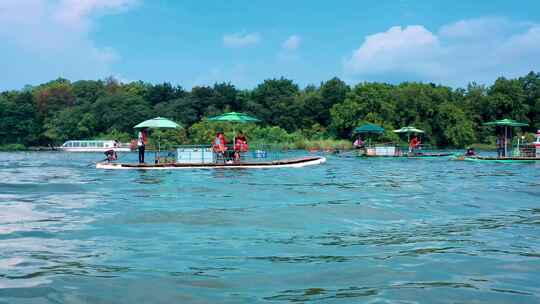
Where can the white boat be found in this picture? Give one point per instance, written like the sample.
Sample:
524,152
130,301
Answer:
537,144
94,146
284,163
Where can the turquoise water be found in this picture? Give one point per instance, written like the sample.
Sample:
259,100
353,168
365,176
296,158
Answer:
351,230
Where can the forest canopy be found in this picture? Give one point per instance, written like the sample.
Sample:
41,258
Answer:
50,113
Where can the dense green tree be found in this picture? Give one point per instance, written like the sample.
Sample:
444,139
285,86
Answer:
88,90
507,99
312,108
54,96
452,126
226,98
531,87
332,92
184,110
60,110
368,102
67,124
19,122
155,94
274,100
138,88
120,111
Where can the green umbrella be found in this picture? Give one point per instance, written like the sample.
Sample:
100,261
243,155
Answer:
369,128
408,129
234,117
506,123
157,123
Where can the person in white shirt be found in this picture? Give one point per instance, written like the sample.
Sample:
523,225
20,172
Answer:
141,146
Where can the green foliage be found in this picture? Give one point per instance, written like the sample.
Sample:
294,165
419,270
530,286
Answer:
455,129
315,116
115,134
272,99
120,111
18,119
370,102
88,90
12,147
168,139
54,96
62,125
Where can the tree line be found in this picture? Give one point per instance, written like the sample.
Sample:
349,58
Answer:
53,112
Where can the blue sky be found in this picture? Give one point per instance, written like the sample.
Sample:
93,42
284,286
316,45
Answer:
201,42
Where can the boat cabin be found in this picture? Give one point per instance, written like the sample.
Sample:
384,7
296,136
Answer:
93,146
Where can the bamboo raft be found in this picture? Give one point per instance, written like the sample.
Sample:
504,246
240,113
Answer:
285,163
500,160
426,155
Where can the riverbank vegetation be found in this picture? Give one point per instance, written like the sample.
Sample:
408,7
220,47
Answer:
317,116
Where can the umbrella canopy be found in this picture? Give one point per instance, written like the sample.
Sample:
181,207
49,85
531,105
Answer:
408,129
506,122
369,128
157,123
234,117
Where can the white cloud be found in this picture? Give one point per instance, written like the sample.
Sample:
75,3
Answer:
393,50
76,12
238,40
474,28
468,50
51,39
292,43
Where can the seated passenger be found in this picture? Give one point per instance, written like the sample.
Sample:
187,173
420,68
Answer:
219,144
358,143
470,152
110,155
240,143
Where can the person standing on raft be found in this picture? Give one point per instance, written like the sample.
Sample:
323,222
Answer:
141,145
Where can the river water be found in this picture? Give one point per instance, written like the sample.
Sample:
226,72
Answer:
351,230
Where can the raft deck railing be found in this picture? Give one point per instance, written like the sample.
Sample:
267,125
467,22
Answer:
191,154
393,149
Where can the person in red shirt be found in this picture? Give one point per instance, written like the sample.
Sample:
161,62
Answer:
414,144
240,142
219,145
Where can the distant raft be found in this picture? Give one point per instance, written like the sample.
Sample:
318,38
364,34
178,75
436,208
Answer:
429,155
499,159
285,163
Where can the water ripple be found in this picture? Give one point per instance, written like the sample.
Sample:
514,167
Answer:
351,230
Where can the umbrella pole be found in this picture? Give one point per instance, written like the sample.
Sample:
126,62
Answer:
159,149
409,142
505,141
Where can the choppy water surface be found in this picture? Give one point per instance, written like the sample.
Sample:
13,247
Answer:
351,230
